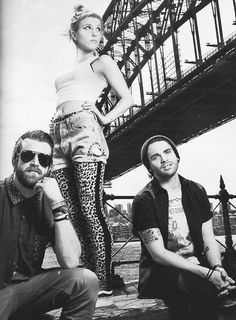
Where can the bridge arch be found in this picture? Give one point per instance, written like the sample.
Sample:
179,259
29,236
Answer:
143,36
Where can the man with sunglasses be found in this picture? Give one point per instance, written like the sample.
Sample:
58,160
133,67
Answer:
33,213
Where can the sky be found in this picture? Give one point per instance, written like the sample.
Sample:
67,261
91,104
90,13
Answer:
33,52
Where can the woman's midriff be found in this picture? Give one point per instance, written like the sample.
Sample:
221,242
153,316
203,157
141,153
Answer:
69,107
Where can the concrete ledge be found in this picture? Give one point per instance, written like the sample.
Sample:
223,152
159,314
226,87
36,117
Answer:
129,307
126,308
124,305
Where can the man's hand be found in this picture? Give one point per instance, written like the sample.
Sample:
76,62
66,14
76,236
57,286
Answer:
224,275
222,282
50,188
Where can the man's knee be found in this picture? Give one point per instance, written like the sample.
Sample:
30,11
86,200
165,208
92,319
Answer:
6,302
90,281
82,290
84,280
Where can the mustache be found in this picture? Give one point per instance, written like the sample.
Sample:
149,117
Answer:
167,163
33,168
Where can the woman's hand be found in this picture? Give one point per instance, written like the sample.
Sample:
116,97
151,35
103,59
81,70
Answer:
91,107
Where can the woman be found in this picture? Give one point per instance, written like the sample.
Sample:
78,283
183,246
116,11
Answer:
81,150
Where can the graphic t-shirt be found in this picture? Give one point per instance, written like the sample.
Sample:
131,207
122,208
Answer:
179,240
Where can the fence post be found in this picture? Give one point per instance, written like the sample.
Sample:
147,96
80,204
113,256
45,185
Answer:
224,198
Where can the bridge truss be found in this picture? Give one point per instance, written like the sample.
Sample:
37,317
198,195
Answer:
179,60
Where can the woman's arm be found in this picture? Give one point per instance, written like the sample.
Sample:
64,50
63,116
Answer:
109,69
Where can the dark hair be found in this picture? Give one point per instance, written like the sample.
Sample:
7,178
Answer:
80,12
144,148
37,135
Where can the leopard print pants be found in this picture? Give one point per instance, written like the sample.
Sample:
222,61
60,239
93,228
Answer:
82,188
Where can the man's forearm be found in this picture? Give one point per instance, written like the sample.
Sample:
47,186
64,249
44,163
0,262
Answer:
211,247
67,245
171,259
153,241
212,252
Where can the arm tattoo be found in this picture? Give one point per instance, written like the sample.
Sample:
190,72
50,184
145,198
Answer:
150,235
206,249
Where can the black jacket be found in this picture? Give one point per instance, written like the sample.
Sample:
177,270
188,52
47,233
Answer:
26,228
152,201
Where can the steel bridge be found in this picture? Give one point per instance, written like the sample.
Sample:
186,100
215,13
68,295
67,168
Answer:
179,60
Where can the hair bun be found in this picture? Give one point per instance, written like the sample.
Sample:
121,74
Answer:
79,8
79,13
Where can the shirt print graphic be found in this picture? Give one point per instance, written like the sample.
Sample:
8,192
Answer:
179,240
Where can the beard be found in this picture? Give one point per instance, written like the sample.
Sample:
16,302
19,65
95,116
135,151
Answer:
167,174
27,178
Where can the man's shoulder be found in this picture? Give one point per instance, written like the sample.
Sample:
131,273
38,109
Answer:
190,182
145,190
3,194
193,185
145,194
2,185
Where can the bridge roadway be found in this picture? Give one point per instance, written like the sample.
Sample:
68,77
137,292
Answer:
201,101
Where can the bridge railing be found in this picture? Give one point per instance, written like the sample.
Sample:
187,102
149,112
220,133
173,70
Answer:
224,202
210,53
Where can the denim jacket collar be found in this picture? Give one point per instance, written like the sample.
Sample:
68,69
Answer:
14,195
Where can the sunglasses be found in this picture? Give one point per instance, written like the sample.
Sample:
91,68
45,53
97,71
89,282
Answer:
44,159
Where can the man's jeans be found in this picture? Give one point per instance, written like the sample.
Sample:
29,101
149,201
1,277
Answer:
74,290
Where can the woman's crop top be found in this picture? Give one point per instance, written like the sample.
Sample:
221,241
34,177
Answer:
80,83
